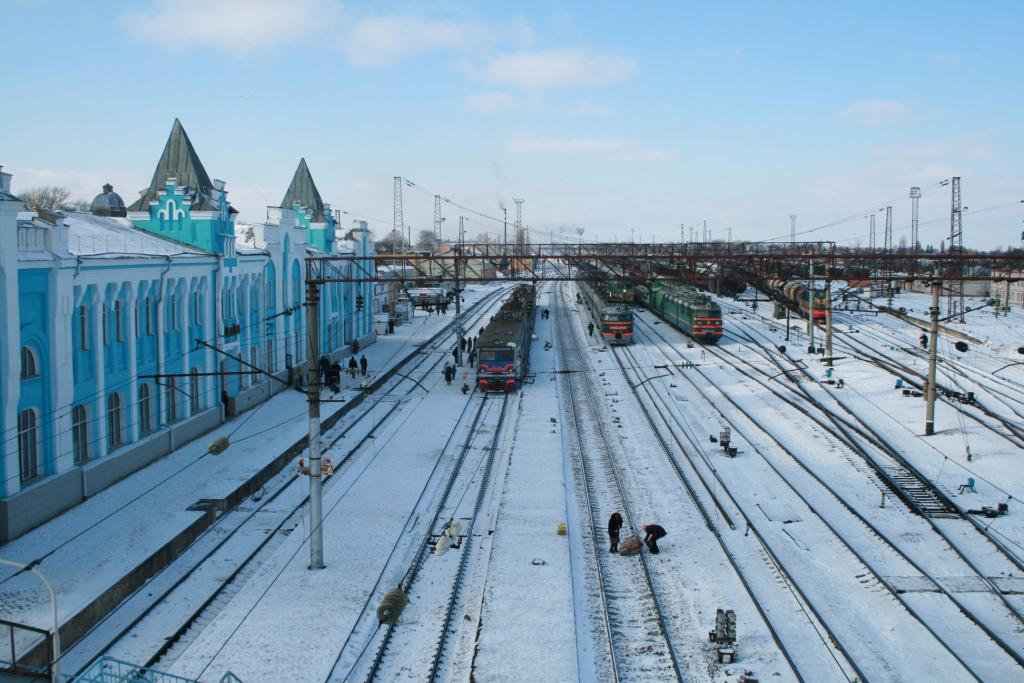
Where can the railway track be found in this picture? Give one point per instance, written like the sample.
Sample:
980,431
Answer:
899,474
876,547
395,656
151,628
637,644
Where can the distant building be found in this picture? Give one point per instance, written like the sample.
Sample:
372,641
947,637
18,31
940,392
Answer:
1008,292
127,331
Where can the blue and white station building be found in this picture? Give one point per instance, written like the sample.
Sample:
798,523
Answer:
123,327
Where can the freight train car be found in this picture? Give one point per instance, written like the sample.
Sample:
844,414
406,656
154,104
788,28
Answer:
503,348
688,310
614,321
800,297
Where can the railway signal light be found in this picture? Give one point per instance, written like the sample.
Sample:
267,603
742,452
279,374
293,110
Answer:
359,302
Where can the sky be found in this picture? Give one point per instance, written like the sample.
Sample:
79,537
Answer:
626,121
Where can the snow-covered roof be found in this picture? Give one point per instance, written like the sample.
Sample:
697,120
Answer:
90,235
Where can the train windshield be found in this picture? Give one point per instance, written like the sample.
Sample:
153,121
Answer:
496,355
617,317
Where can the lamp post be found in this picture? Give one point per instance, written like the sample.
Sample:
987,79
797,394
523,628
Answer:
55,668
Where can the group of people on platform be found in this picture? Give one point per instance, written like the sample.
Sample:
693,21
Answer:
330,373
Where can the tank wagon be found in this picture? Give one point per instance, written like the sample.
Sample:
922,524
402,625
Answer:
799,297
615,320
689,310
503,348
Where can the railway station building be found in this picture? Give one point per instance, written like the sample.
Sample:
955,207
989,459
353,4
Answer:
131,330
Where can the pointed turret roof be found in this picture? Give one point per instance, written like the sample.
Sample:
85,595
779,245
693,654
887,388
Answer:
179,161
303,190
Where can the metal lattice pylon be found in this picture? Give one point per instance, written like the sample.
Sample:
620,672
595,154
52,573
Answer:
399,228
954,279
437,216
915,198
888,250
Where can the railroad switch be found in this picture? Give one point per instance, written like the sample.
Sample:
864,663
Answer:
725,635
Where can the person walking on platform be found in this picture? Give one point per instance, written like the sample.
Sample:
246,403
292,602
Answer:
449,373
924,341
363,363
472,357
353,367
614,525
590,329
325,366
654,532
334,377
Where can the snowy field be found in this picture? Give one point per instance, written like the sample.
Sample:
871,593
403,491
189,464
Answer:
838,534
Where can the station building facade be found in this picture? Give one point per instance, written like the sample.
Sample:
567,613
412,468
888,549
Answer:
130,330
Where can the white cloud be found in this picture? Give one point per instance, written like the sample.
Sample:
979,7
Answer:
876,112
234,26
547,69
490,101
617,149
390,39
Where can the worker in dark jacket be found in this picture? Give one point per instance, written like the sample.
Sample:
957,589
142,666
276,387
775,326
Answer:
590,329
614,524
353,367
654,532
363,363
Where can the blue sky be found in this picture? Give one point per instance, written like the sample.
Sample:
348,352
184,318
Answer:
618,119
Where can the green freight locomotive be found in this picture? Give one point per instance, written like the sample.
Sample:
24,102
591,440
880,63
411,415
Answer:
689,310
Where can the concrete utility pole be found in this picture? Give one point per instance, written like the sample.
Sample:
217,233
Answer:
915,198
933,355
810,309
828,316
458,293
316,530
792,228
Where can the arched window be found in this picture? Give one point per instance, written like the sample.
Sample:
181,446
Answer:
28,445
172,401
80,434
29,369
195,391
145,409
114,436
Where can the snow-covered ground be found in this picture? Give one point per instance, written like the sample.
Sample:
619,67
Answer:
830,573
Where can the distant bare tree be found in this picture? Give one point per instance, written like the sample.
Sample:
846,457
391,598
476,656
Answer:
393,242
427,240
46,198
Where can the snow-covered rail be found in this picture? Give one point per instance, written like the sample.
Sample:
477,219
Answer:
623,614
997,621
157,622
473,469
